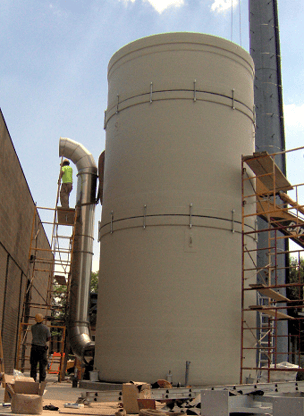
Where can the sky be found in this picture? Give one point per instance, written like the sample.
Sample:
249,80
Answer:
53,70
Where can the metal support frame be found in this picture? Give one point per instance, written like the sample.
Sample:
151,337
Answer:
220,403
53,265
276,398
284,221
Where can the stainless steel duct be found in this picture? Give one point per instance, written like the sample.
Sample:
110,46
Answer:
78,323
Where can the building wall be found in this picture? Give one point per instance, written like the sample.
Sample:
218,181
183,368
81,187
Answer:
16,218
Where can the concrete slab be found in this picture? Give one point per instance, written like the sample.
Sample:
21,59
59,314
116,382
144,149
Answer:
58,394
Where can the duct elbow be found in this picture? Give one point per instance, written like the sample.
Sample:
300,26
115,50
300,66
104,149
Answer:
80,340
77,153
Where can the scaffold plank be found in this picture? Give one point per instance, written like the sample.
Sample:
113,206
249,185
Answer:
271,312
66,216
267,171
60,280
289,224
266,291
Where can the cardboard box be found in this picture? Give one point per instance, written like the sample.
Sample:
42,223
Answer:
26,397
133,391
146,404
30,404
8,379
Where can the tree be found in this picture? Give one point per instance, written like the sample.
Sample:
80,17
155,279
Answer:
94,282
295,295
296,279
59,300
93,299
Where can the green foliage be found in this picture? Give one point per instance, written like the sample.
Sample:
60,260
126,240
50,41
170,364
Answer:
94,282
59,301
60,308
296,276
294,292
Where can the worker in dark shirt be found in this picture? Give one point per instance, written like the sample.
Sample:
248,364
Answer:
40,336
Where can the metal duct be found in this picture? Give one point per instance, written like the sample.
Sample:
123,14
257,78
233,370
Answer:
78,325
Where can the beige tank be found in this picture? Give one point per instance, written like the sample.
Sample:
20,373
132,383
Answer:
180,115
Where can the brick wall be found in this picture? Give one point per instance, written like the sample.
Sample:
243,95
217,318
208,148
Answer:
16,217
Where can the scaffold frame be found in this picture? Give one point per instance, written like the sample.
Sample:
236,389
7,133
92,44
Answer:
277,301
53,262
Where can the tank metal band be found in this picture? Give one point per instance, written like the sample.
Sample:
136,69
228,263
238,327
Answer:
190,221
222,98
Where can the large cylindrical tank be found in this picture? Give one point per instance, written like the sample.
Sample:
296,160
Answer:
180,115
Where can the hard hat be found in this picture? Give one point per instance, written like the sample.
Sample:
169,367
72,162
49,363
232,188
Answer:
39,317
65,162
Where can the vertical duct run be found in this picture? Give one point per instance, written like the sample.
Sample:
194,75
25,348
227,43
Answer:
270,136
78,326
265,51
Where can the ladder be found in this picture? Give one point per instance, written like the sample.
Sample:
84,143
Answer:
48,285
266,335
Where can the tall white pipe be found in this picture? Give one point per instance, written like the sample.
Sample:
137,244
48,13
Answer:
78,325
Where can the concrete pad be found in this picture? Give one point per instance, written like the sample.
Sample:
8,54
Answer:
58,394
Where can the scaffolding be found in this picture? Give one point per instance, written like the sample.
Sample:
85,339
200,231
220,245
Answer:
51,262
272,327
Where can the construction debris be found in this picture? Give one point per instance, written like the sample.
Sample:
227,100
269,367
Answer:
151,412
50,407
121,412
133,391
26,397
270,398
74,405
